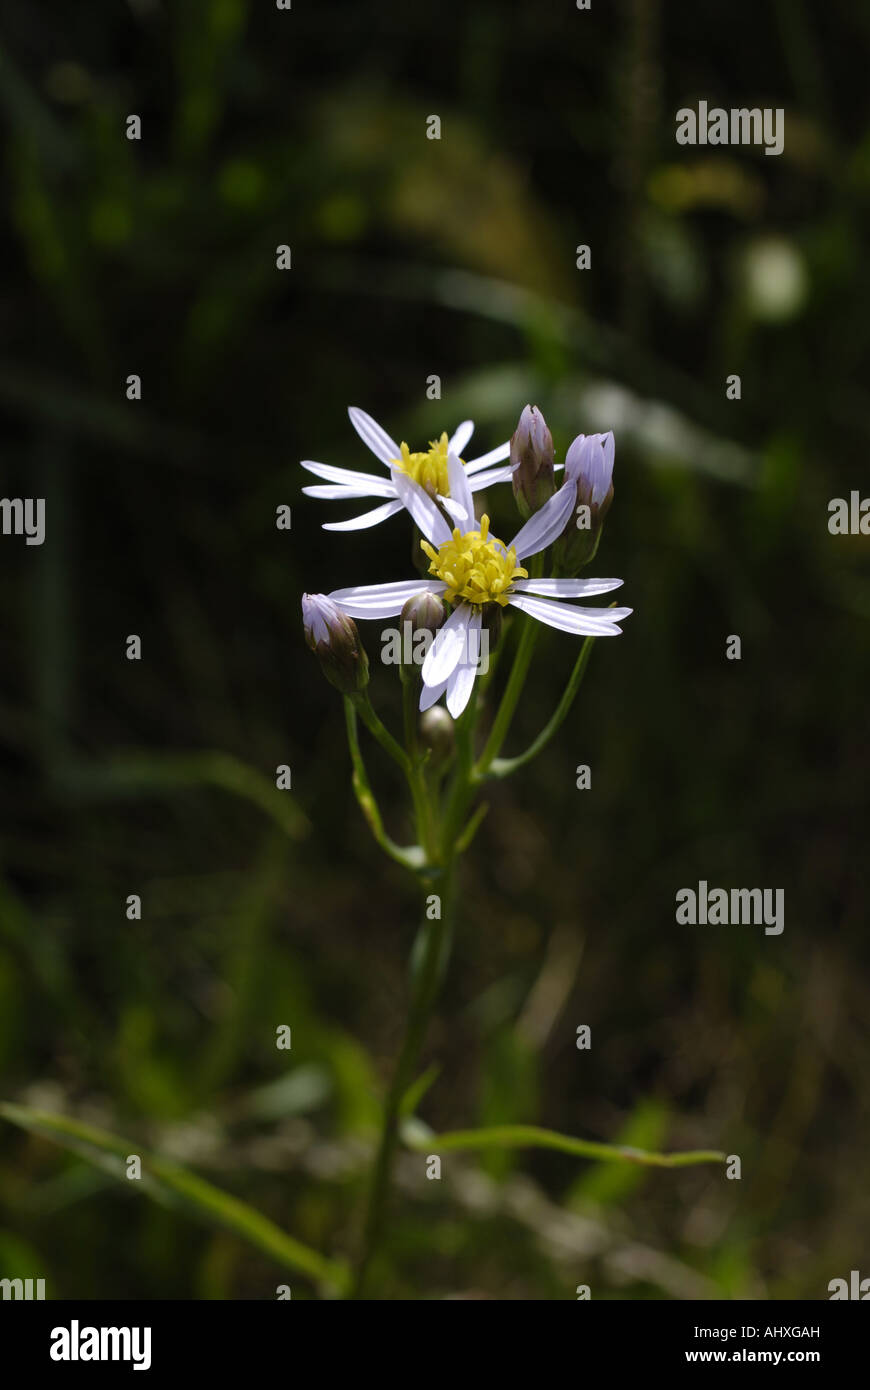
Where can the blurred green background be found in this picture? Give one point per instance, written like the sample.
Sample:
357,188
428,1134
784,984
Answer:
413,257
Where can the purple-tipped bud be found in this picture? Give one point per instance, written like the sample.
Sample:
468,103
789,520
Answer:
589,462
532,459
334,637
589,468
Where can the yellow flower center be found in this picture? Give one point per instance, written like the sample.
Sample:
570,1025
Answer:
428,469
476,567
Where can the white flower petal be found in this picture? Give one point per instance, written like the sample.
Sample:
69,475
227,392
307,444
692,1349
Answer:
494,456
374,486
460,437
448,648
488,476
421,507
460,686
361,523
545,525
381,600
370,432
595,622
430,694
458,512
461,682
565,588
336,491
460,492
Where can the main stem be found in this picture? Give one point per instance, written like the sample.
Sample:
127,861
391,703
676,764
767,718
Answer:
427,978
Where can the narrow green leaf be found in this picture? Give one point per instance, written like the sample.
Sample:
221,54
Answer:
168,1182
531,1137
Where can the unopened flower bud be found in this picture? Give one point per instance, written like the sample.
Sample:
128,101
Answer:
436,734
532,461
334,637
422,614
588,468
425,612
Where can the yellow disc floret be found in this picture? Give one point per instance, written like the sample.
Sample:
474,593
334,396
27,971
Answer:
428,469
476,567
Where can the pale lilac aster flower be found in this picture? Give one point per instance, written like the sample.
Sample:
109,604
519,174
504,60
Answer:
472,569
427,468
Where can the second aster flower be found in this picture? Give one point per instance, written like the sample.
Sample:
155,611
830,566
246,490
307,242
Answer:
428,468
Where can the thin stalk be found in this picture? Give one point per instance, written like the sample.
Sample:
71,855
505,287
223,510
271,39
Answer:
410,686
365,710
427,978
412,857
416,782
503,767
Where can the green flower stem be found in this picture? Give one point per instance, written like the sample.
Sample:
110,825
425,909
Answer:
467,835
411,858
410,687
510,698
416,769
427,973
532,1137
365,710
413,773
462,787
503,767
514,688
426,830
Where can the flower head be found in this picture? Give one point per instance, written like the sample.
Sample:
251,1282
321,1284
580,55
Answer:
475,566
471,570
426,468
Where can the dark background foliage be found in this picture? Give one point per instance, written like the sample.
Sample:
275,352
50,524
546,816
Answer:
413,257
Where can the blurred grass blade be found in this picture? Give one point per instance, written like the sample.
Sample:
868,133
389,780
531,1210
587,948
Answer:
137,774
531,1137
417,1090
170,1183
